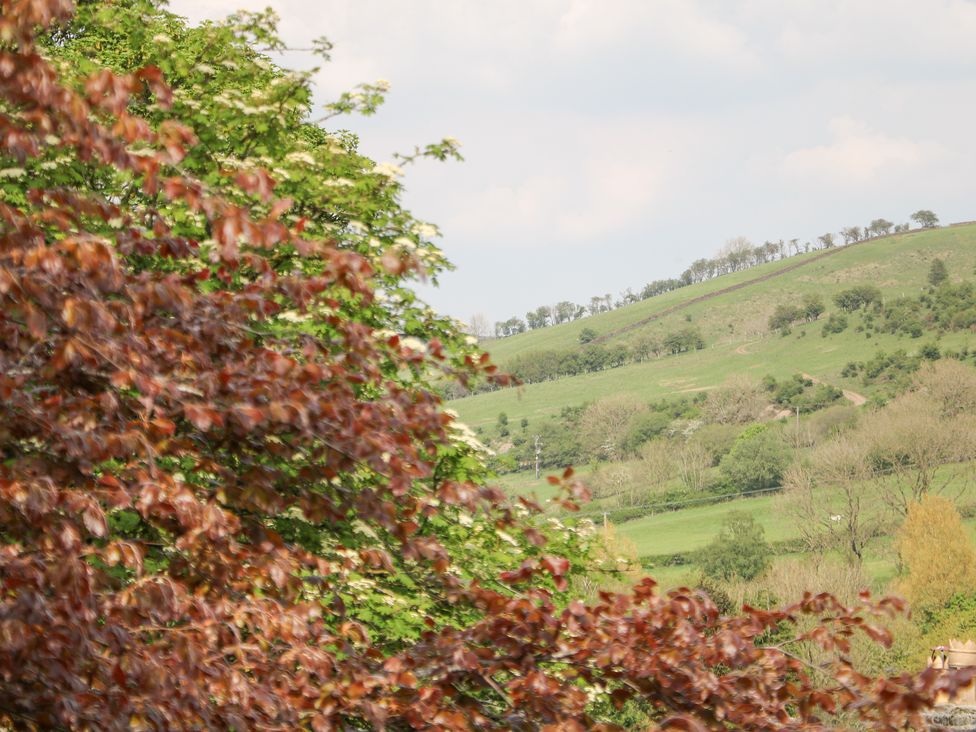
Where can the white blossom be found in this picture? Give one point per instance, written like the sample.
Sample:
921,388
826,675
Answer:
390,170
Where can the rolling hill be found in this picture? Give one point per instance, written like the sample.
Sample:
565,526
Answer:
732,312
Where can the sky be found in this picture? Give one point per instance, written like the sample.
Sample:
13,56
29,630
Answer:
609,143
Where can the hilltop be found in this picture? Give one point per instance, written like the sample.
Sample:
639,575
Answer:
732,313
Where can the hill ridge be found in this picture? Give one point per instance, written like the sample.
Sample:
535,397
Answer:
732,288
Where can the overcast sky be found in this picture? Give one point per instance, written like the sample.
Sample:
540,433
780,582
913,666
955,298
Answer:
611,142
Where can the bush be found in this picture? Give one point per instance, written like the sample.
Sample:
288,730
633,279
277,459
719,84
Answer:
717,440
644,426
740,551
938,273
686,339
586,335
757,460
836,323
937,553
738,401
857,297
784,316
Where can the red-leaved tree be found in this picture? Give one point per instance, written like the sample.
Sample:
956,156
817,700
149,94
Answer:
169,393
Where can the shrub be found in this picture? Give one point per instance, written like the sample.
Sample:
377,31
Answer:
836,323
686,339
740,551
586,335
784,316
937,552
857,297
938,273
737,401
643,427
717,440
756,460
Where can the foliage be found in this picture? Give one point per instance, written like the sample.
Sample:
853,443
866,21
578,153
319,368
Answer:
784,316
605,424
686,339
938,273
586,335
739,551
836,323
756,460
857,297
643,427
218,453
925,218
738,401
800,392
937,552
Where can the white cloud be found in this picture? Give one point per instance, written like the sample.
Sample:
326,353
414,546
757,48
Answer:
875,30
679,26
858,153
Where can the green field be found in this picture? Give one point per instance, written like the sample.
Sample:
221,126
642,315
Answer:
898,265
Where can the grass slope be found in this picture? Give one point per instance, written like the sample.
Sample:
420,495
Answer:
734,325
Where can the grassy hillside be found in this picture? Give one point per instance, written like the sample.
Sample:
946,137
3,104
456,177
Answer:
735,327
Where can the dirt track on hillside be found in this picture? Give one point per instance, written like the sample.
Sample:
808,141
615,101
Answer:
858,400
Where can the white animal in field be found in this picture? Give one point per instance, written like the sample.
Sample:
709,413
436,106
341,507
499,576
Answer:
836,517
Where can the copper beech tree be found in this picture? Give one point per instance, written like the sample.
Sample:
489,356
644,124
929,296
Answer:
163,430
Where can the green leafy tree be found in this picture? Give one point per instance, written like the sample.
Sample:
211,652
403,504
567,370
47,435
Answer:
938,273
784,316
740,551
757,459
812,306
857,297
586,335
925,218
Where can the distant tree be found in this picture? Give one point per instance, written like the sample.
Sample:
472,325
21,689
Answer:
539,318
756,460
563,311
739,400
479,326
836,323
686,339
603,426
812,306
740,551
643,427
691,462
736,253
596,305
510,327
851,234
784,316
879,227
840,519
795,246
644,347
938,273
925,219
826,239
937,552
586,335
857,297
